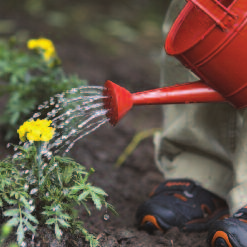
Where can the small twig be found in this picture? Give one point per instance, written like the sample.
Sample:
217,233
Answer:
133,144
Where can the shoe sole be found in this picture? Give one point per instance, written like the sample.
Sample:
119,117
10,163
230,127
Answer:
154,222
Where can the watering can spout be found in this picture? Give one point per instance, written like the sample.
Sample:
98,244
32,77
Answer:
119,101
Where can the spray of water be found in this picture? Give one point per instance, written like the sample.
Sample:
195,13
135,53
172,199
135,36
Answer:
74,114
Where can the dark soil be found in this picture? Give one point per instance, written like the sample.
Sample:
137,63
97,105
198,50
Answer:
130,63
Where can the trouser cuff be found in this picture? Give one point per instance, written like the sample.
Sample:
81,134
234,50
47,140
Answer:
237,197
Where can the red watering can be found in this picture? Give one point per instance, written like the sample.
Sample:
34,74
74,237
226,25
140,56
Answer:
210,38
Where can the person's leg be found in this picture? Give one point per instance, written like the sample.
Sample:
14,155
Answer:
237,197
232,232
197,142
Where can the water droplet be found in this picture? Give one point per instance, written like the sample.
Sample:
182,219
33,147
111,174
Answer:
33,181
33,191
106,217
36,115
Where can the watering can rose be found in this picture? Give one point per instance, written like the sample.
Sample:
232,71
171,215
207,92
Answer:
38,130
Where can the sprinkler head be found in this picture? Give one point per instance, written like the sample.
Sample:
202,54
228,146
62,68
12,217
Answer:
118,101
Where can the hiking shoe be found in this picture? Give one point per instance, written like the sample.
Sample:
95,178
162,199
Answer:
231,232
180,203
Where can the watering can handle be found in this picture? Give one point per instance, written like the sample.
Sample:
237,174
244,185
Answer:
215,10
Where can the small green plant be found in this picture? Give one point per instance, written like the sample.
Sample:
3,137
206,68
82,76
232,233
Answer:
29,77
37,188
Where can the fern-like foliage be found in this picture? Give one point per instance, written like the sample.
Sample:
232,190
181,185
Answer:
28,202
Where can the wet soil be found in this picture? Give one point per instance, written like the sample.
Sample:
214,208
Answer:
133,63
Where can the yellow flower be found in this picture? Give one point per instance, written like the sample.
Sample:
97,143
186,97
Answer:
44,47
32,44
49,53
38,130
40,43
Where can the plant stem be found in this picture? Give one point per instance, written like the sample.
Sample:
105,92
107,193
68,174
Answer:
133,144
38,159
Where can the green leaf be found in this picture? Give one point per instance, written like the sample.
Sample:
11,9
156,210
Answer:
86,207
11,212
25,202
97,201
77,188
83,195
90,238
48,213
64,216
59,178
66,160
112,209
20,234
31,217
9,201
51,221
67,174
12,193
13,222
98,191
57,232
63,223
29,226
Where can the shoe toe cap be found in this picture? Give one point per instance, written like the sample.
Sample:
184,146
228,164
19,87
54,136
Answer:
220,242
229,231
158,215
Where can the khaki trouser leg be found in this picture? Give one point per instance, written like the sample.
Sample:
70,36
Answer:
237,197
195,144
204,142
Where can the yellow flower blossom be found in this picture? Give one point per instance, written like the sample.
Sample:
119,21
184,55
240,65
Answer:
45,47
40,43
38,130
